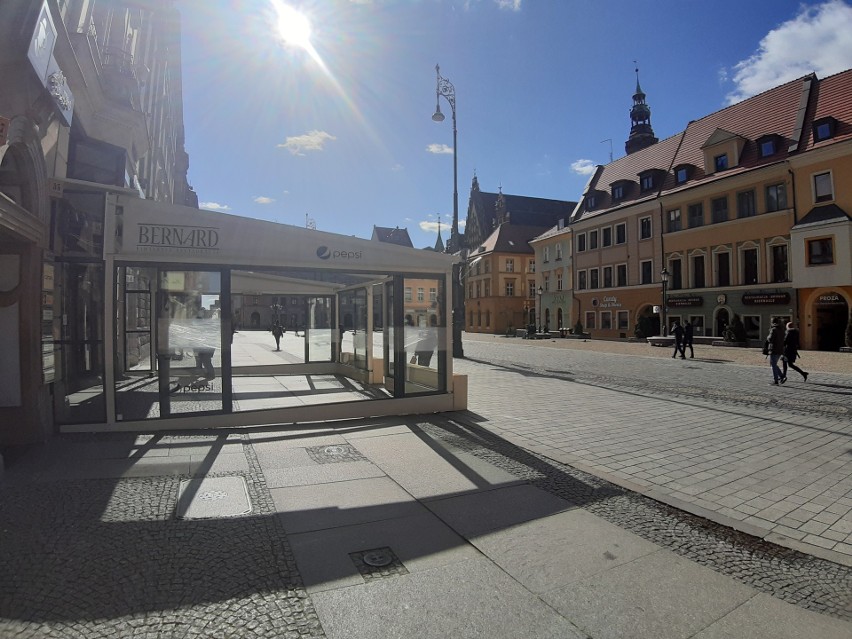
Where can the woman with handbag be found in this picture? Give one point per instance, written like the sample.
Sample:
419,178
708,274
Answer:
791,352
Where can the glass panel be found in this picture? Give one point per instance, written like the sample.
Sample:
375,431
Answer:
353,326
80,392
189,348
319,329
389,351
425,335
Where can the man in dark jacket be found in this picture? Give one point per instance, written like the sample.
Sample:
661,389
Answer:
791,352
775,340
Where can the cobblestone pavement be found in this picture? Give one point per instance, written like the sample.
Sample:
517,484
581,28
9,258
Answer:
713,438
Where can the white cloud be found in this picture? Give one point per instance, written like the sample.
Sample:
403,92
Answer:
439,148
213,206
583,167
819,39
509,5
432,227
310,141
397,167
262,199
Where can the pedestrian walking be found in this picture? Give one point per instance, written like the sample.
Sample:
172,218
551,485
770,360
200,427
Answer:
677,331
687,339
774,347
791,352
277,332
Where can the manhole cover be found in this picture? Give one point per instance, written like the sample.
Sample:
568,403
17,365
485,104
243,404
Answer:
335,450
334,454
212,497
378,558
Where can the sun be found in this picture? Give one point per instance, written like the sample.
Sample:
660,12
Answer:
293,26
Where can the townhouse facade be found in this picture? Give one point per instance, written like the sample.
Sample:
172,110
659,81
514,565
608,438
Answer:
552,287
745,214
91,102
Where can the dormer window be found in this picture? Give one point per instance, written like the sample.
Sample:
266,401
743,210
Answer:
591,202
647,180
824,129
618,192
767,145
682,174
720,162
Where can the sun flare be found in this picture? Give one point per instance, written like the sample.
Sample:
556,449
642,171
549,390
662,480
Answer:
293,26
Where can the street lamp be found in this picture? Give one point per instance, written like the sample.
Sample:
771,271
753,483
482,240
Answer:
664,277
446,89
538,312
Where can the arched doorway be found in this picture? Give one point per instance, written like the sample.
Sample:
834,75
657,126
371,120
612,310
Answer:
546,319
831,316
723,318
559,318
255,319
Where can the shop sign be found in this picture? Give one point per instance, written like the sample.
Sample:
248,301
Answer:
763,299
684,301
830,299
192,239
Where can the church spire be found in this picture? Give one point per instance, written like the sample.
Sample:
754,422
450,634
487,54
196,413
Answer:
439,243
641,132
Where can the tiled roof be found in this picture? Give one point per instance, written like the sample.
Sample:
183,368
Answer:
834,98
824,213
528,210
392,236
782,111
553,232
509,238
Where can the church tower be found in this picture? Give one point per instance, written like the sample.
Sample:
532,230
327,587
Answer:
641,133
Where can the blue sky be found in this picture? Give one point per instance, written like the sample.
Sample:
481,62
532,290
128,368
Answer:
345,136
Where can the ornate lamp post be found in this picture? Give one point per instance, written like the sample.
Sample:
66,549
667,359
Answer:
540,291
276,309
664,277
446,89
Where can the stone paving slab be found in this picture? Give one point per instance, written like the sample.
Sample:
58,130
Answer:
467,600
657,596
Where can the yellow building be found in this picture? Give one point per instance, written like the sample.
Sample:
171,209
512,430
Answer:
711,209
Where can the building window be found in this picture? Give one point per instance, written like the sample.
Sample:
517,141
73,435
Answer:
776,197
559,281
407,293
590,320
479,289
823,129
486,265
647,268
590,202
820,251
510,288
674,220
606,320
510,265
767,147
531,288
531,266
779,263
621,275
593,278
593,240
823,191
620,233
606,236
433,294
546,283
618,192
723,269
581,242
470,290
558,252
607,276
546,254
478,270
644,228
721,162
750,268
681,175
581,280
745,204
696,215
421,294
646,181
720,210
676,281
487,288
698,278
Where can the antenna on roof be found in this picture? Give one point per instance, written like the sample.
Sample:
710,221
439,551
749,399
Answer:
610,148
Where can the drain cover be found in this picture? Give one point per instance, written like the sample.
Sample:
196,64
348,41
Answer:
378,558
335,450
334,454
211,497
